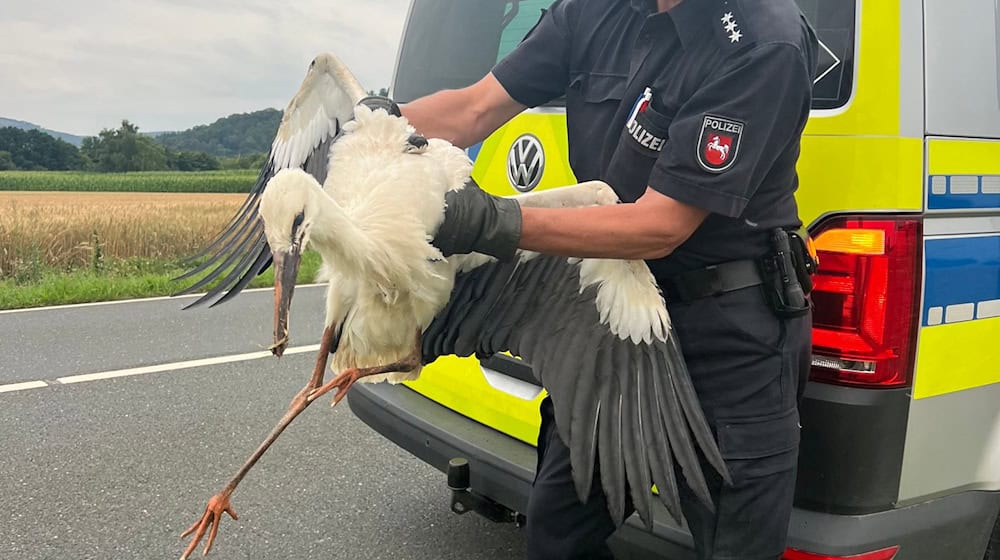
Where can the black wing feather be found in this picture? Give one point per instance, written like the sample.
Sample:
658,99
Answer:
625,407
242,241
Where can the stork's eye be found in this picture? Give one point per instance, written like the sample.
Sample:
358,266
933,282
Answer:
297,222
415,143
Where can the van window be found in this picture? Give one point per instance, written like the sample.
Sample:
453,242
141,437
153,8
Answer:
834,22
484,31
449,44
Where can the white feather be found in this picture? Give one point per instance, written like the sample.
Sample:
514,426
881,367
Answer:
628,298
371,222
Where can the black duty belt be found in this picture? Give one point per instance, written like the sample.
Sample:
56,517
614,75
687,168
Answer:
711,281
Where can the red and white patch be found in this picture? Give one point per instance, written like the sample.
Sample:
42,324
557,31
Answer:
719,142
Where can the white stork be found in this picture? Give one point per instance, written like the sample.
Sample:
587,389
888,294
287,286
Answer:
366,192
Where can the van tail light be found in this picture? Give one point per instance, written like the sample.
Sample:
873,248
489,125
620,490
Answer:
865,300
884,554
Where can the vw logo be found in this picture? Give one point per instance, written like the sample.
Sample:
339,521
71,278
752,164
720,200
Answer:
525,163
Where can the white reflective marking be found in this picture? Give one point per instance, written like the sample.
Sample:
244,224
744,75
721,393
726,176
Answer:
991,184
964,184
966,226
181,365
836,62
959,312
939,184
987,309
935,315
513,387
160,298
22,386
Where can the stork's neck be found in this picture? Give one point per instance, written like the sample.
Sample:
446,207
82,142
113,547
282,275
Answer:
335,235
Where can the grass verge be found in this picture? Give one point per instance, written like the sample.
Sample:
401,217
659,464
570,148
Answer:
120,279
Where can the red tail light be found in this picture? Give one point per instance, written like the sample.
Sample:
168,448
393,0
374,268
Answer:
884,554
865,297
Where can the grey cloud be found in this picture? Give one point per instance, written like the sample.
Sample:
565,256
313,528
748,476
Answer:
168,65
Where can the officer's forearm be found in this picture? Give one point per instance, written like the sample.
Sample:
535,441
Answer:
648,229
463,116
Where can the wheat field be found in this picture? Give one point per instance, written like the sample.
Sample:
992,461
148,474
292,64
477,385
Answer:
70,230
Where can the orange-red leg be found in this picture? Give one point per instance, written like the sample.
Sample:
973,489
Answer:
346,379
219,504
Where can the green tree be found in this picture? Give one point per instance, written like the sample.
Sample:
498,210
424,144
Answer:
247,161
124,149
191,161
36,150
232,136
6,162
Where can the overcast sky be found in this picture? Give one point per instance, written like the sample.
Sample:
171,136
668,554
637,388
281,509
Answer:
80,66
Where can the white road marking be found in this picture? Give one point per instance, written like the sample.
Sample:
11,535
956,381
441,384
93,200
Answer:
154,368
97,303
181,365
22,386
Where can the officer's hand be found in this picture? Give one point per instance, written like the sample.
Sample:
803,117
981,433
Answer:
478,222
374,102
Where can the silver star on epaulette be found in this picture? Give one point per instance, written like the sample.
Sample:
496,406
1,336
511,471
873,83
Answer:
729,23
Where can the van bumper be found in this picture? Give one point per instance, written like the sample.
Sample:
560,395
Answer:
956,527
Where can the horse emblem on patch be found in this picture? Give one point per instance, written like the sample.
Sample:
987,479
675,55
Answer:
719,142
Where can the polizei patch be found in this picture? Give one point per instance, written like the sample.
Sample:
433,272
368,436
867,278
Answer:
719,142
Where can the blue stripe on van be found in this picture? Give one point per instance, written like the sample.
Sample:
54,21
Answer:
473,151
962,279
956,192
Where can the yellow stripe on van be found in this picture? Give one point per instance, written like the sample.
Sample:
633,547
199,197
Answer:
952,358
963,157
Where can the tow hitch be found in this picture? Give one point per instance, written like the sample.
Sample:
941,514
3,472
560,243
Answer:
464,500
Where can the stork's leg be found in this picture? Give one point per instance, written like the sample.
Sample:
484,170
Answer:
219,503
348,377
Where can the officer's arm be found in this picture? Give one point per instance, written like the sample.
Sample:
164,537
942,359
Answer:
764,111
650,228
463,116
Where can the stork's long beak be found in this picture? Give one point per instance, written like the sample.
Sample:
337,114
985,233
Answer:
286,270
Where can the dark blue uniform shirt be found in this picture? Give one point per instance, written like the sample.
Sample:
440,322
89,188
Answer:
704,103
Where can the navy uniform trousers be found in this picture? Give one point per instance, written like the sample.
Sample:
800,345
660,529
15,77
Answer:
749,369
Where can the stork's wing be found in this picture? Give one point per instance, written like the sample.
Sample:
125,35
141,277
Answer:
311,122
598,337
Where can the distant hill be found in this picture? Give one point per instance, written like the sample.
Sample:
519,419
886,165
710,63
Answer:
239,134
22,125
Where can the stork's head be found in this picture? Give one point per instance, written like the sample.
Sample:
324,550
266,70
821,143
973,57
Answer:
288,208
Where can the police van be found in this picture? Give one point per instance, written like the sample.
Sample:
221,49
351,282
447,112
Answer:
900,189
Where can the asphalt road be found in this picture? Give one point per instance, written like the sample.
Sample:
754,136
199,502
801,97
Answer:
116,466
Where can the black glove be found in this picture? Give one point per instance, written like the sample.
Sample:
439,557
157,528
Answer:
374,102
478,222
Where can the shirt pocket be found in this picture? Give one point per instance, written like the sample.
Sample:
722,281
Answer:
648,131
597,87
642,140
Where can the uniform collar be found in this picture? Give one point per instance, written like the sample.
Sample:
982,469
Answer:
694,18
644,7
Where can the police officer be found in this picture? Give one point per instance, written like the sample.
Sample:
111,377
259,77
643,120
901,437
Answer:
692,110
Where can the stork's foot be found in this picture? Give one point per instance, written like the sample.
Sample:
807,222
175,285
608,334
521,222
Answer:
341,383
348,377
218,504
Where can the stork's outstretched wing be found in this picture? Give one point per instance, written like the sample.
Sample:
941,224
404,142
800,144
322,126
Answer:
598,337
311,122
